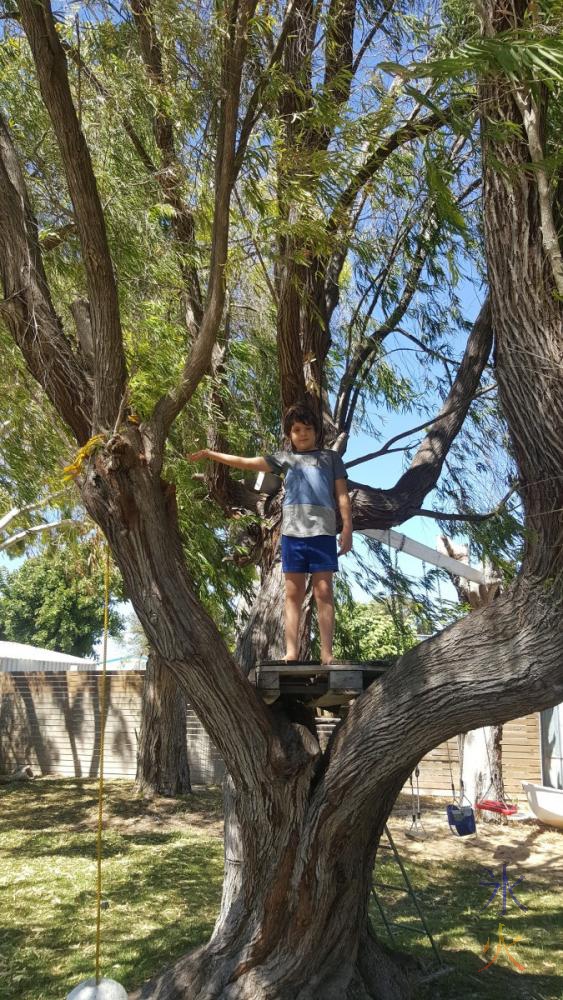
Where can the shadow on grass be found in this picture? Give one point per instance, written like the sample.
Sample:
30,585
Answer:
162,886
46,803
83,845
160,905
462,979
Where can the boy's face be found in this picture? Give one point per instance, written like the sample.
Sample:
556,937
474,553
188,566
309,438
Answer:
303,436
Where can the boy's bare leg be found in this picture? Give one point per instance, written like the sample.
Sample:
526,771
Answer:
324,597
294,595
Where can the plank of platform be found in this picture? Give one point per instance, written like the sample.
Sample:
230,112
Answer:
344,680
305,669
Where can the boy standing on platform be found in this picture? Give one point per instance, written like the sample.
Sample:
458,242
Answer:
315,484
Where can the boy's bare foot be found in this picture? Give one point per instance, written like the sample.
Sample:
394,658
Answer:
326,660
290,659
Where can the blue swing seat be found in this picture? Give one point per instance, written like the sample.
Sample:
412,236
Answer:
461,819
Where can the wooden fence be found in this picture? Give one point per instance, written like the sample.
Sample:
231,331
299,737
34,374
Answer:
51,720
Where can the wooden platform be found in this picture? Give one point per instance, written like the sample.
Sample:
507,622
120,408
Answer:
320,686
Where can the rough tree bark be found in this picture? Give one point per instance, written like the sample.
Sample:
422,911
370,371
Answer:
481,771
303,825
162,755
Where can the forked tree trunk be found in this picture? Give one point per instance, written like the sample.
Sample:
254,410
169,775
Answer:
293,923
162,756
299,855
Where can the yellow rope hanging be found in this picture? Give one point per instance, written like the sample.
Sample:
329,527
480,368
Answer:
70,472
101,767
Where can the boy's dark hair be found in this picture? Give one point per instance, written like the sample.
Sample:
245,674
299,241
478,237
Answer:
300,413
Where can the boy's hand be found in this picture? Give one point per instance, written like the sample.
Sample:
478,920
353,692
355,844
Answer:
345,542
196,456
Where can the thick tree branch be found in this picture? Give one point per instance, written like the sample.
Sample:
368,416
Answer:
98,86
254,107
433,450
532,121
372,508
338,49
199,359
494,665
50,62
415,129
384,450
170,175
27,308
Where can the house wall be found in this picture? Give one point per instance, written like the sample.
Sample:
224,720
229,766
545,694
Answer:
51,720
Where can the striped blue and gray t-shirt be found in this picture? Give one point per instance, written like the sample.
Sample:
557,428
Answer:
309,506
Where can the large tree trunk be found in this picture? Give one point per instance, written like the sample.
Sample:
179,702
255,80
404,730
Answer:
162,755
293,924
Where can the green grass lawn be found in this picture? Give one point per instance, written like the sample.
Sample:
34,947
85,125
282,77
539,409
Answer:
446,874
162,873
161,878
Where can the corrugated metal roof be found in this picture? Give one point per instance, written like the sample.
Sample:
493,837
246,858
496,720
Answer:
16,656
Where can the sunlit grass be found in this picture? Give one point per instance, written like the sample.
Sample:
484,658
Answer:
162,872
453,902
162,886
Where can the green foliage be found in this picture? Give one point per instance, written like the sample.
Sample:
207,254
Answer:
369,632
166,872
34,444
517,54
55,600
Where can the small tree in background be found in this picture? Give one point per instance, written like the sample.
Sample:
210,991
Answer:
56,600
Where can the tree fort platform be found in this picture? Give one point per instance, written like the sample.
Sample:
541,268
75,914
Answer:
321,686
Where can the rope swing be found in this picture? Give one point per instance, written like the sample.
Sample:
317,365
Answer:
98,988
501,806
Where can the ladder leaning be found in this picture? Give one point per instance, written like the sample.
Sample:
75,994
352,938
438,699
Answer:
408,888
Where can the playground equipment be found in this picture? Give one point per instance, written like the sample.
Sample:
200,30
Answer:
545,803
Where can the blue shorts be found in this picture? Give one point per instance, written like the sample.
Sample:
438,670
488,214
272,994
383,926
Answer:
309,555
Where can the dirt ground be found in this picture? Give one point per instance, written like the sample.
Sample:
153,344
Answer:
525,842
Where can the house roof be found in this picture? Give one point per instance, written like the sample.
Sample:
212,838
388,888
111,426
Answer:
19,656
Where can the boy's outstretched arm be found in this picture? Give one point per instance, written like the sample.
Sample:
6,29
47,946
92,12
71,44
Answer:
257,464
345,507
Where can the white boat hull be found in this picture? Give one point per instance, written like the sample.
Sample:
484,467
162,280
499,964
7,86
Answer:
546,803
